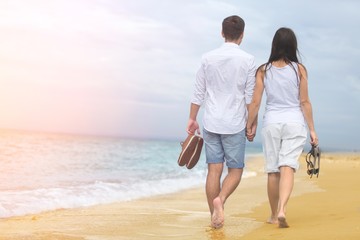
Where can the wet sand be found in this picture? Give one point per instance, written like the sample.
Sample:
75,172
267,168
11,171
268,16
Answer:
327,207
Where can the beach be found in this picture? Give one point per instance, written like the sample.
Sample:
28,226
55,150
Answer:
327,207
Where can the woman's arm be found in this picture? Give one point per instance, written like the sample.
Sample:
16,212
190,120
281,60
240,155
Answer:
254,106
306,104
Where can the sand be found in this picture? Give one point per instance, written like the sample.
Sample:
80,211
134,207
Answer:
327,207
332,213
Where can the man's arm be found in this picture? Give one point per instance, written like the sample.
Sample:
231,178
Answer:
192,123
198,99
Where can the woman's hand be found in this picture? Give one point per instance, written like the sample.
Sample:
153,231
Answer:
313,138
251,132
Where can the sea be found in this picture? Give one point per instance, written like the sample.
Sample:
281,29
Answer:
45,171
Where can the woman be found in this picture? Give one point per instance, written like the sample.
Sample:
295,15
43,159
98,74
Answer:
287,109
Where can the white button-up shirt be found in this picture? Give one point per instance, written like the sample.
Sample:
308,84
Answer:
224,85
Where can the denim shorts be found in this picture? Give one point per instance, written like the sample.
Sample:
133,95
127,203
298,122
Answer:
229,148
283,144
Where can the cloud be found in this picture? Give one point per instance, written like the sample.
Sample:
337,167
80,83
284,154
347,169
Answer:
128,67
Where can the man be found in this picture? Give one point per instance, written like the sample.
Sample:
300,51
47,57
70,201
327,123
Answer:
224,86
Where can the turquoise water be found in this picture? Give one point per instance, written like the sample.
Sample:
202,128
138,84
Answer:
41,172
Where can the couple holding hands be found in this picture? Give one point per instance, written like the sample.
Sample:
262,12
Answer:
230,87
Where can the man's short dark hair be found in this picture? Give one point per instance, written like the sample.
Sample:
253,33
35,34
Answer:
233,27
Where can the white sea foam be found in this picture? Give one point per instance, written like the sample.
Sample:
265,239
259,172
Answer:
41,173
17,203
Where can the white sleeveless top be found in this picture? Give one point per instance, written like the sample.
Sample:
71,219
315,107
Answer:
282,87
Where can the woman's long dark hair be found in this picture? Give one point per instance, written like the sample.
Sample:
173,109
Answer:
284,47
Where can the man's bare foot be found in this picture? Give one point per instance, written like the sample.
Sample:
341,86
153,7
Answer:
282,222
217,218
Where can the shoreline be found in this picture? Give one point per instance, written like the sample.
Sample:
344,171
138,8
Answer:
185,214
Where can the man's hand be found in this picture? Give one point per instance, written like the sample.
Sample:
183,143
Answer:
192,127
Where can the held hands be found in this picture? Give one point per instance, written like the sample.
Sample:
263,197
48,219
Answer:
192,127
251,131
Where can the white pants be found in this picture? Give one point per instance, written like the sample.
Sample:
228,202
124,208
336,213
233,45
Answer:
283,144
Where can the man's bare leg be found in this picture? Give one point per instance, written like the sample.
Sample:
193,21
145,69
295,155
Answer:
213,183
229,185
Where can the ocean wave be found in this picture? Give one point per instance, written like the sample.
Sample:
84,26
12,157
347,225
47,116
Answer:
41,172
23,202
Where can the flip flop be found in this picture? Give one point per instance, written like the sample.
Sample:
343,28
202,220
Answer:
191,150
313,161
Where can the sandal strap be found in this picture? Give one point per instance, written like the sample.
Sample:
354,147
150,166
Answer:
313,159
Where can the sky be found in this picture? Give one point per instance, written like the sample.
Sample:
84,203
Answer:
127,68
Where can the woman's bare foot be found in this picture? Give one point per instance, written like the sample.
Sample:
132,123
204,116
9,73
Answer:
217,218
282,222
272,220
